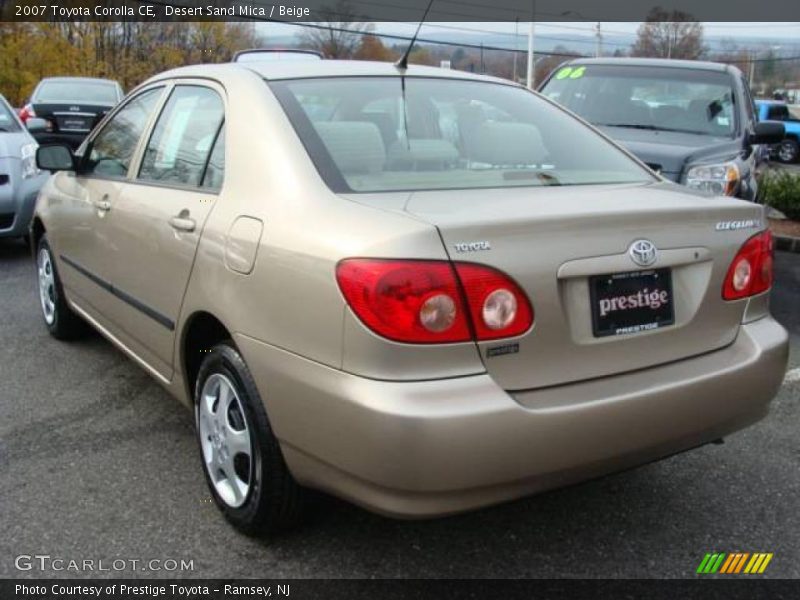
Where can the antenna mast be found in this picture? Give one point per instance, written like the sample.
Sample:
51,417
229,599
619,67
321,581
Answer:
403,62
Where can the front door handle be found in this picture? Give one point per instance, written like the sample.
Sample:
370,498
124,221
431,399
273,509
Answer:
103,204
182,223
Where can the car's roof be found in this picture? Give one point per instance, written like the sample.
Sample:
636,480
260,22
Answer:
79,80
276,70
770,102
702,65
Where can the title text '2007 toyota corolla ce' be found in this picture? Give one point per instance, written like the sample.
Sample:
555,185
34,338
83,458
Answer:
421,290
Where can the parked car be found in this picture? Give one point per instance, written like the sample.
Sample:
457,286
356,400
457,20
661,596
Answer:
69,107
691,121
289,54
20,178
788,149
425,310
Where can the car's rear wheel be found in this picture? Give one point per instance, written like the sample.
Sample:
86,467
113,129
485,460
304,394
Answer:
61,322
242,460
788,151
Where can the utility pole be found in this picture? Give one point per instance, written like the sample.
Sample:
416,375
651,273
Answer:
598,51
516,47
531,77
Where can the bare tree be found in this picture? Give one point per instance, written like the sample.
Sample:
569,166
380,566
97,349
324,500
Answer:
669,34
339,33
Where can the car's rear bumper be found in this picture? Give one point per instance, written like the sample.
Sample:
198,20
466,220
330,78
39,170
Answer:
418,449
73,140
17,202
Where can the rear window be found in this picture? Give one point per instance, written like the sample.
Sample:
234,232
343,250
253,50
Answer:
696,101
7,120
88,92
778,112
376,134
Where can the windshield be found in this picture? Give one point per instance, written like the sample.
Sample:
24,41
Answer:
7,120
88,92
374,134
658,98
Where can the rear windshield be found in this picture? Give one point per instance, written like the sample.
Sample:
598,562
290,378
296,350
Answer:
778,112
7,120
658,98
88,92
375,134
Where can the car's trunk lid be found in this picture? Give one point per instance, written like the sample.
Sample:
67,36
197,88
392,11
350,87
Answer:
553,240
74,117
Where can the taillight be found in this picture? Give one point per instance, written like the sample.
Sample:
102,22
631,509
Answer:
497,305
423,301
26,112
750,272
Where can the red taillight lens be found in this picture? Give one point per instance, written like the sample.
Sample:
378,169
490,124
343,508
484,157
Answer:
497,305
26,112
421,301
750,272
405,300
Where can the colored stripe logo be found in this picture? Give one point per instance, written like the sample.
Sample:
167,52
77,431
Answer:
734,563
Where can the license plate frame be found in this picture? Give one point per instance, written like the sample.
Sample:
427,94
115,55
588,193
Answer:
611,293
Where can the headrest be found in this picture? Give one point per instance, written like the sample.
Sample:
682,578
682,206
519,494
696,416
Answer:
428,151
355,146
504,143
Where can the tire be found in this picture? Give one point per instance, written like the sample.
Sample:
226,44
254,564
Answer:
788,151
61,322
256,493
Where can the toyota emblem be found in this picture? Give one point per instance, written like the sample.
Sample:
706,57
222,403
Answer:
643,252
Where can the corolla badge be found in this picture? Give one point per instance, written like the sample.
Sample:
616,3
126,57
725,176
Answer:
643,252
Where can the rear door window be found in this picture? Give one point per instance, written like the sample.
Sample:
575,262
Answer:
183,137
215,171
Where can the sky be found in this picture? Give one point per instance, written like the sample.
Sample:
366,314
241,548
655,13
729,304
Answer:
627,30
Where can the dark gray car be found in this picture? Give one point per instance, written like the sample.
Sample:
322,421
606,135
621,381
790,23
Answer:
692,121
20,179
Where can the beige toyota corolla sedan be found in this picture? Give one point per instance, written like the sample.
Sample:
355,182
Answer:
420,290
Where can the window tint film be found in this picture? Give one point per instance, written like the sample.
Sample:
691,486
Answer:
695,101
112,150
215,170
182,138
376,134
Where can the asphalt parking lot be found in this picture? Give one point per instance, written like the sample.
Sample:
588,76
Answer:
97,462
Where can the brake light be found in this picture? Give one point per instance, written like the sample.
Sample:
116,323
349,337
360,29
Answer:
750,273
497,305
26,112
429,302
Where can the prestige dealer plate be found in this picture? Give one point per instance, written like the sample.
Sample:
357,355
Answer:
631,302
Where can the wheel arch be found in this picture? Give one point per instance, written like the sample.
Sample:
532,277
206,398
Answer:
37,231
201,332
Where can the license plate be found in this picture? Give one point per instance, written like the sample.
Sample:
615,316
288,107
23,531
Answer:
81,124
625,303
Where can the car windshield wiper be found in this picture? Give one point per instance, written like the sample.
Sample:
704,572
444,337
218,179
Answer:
650,127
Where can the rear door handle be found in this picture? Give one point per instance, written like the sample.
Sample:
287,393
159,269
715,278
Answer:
182,223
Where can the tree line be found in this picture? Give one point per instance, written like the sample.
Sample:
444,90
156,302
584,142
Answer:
128,52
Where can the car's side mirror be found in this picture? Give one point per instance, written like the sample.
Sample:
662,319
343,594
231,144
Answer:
768,132
36,125
55,157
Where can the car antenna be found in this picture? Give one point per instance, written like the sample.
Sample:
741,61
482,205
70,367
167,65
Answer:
403,62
